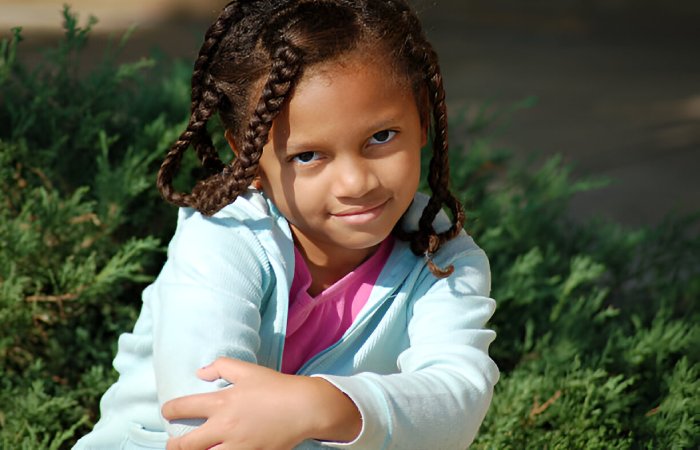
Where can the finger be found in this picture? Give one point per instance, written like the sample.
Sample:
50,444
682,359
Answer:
173,444
199,439
198,406
227,368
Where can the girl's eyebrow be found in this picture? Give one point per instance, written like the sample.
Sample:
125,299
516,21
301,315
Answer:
299,147
293,146
304,144
389,122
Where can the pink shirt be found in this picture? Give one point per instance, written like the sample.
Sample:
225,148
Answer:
316,323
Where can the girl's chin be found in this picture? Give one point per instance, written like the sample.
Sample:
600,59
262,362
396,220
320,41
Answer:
341,236
361,241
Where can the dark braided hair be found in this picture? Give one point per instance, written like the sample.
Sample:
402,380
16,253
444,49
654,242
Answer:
254,55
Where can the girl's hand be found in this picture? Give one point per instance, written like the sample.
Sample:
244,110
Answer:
263,409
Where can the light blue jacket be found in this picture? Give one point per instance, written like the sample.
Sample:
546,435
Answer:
415,361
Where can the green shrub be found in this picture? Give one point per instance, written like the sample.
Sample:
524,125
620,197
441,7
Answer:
80,226
597,324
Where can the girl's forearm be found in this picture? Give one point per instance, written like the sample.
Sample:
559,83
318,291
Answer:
264,409
335,416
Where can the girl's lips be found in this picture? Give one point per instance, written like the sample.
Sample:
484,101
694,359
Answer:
361,216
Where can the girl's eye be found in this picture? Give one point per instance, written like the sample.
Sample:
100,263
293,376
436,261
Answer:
382,137
305,158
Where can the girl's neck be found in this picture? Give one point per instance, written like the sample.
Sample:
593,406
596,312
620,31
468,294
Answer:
328,263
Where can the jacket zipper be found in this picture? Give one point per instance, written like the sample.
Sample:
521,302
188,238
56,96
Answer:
392,280
354,327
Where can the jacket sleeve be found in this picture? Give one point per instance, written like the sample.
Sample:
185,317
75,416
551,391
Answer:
206,304
446,379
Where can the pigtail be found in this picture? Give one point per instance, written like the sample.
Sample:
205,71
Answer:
219,190
426,240
251,38
229,181
286,62
439,172
205,102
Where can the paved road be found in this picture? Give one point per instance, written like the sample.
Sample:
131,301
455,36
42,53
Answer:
616,99
623,106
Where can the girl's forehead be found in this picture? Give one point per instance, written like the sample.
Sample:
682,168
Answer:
356,63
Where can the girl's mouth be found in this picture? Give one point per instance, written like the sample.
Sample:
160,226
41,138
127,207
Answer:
362,215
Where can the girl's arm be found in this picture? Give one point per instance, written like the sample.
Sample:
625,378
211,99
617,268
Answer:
437,401
445,384
204,304
264,409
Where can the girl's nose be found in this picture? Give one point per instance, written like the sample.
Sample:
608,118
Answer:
354,178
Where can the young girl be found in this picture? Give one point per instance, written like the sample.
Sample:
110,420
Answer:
331,304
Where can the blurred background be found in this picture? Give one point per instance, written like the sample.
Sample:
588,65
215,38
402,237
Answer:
598,323
616,82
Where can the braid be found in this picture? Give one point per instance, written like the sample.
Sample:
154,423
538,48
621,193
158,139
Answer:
212,39
426,240
197,123
205,102
217,191
439,171
273,40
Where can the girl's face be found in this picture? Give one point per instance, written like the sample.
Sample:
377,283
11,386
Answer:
343,160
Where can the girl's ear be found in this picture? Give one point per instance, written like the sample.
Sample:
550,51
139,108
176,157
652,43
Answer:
231,143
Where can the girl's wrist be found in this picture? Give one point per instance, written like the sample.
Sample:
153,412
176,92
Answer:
334,416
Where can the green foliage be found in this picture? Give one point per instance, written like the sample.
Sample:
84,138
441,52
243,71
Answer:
566,407
597,325
80,226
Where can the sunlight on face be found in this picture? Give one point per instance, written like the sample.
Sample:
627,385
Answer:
343,160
